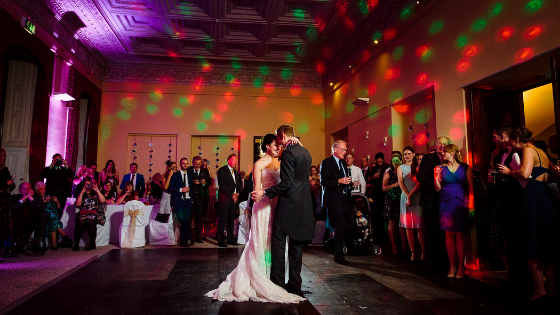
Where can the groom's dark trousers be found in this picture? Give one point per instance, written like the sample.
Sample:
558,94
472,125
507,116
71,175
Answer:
295,253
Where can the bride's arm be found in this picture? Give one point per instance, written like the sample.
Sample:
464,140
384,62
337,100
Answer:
257,174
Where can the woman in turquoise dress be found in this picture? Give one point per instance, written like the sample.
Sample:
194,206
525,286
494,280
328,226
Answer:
54,225
454,181
542,239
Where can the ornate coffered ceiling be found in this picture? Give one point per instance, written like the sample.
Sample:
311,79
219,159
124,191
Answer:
215,42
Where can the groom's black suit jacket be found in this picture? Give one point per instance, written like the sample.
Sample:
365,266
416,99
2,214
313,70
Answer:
294,209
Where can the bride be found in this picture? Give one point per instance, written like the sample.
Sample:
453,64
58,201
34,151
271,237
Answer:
250,280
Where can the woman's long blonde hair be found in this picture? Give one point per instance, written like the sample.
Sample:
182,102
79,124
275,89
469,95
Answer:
451,148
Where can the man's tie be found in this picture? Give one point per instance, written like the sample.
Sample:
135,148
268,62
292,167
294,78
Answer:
343,169
132,180
185,185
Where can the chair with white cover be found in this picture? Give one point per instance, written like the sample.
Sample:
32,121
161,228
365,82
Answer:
162,233
244,223
133,227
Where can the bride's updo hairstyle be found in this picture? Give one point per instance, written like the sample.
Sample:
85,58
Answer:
522,134
266,140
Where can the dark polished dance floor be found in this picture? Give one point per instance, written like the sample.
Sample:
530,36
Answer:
174,281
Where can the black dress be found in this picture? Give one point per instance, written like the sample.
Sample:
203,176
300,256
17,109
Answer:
392,199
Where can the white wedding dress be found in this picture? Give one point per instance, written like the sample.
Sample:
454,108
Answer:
250,280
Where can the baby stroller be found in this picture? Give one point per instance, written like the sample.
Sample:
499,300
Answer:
362,239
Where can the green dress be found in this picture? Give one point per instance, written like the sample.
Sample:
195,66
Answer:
53,222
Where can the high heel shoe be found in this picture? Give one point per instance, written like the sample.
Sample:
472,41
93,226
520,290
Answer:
412,256
395,252
451,273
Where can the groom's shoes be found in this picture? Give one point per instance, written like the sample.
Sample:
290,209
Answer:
222,245
292,290
342,261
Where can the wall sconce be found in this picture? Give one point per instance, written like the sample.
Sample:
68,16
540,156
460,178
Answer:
428,135
367,134
54,48
385,141
410,128
63,97
361,101
426,125
69,62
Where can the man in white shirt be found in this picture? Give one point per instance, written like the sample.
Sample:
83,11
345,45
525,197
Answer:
358,180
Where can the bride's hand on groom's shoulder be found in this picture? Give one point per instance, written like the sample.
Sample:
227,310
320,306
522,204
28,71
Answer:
294,140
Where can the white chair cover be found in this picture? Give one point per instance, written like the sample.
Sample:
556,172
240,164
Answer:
244,223
162,233
133,227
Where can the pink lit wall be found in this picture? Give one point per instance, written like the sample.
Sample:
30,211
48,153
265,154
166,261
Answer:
450,44
204,110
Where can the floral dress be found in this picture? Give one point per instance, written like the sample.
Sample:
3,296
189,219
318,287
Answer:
392,209
90,208
53,222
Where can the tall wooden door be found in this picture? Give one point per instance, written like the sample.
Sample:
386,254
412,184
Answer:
20,95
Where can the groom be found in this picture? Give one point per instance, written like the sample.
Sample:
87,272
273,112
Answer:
293,216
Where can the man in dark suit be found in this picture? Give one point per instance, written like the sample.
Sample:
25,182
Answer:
293,215
374,190
229,183
58,176
136,179
429,201
199,194
180,189
337,193
28,215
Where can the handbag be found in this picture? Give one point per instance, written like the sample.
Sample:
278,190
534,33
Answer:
162,217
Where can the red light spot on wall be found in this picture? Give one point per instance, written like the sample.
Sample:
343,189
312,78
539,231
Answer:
420,51
327,52
365,55
242,134
261,100
317,99
217,118
268,87
235,83
348,23
459,117
422,78
470,51
435,84
505,33
372,88
401,108
198,83
223,107
228,96
295,90
389,33
287,117
523,54
463,65
320,67
456,134
532,32
392,74
421,139
344,89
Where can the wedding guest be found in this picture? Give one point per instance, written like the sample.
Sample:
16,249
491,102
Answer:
6,187
411,213
137,180
419,157
164,209
313,174
155,186
365,165
358,181
392,209
54,225
90,202
96,175
435,239
541,221
28,215
179,188
374,191
454,180
199,194
77,183
58,176
109,191
110,173
127,194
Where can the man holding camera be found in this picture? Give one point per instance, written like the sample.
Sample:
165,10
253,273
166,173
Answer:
58,176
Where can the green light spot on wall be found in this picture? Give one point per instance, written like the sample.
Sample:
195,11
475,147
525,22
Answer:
377,35
372,111
290,58
128,103
394,130
258,82
407,12
298,14
479,25
230,77
222,140
461,41
123,115
363,7
152,109
303,128
105,132
264,70
427,56
177,112
209,46
349,107
207,115
201,126
436,26
311,34
156,96
326,113
184,101
422,116
533,6
286,74
362,93
398,53
495,9
395,95
236,65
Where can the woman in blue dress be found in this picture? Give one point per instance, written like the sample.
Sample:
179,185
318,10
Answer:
454,180
541,222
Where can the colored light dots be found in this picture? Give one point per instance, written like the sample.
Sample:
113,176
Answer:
420,51
398,53
105,132
365,55
235,83
262,100
532,32
128,103
463,65
523,54
421,139
311,34
456,134
372,111
389,33
377,36
298,14
302,128
316,99
242,134
236,65
427,56
395,95
326,113
258,82
495,9
228,96
422,78
372,89
286,74
407,12
459,117
320,67
217,118
350,107
178,112
470,51
201,126
505,33
207,115
123,115
287,117
422,116
392,74
156,96
184,101
461,41
268,87
533,5
222,140
152,109
264,69
295,90
223,107
394,130
436,26
478,25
